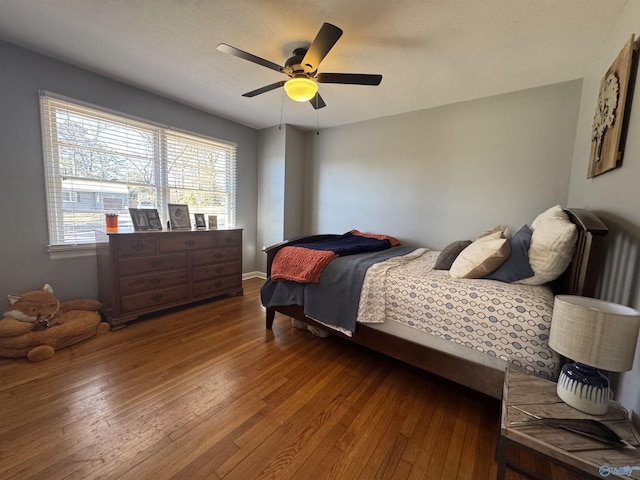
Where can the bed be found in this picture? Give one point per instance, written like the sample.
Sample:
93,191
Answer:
396,303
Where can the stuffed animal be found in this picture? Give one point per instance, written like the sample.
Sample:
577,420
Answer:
38,324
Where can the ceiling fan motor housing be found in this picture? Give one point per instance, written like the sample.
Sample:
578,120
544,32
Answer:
294,64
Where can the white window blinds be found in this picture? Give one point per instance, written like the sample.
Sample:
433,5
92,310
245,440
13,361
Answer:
98,162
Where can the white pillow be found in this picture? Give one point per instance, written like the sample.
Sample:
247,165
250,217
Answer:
481,257
552,245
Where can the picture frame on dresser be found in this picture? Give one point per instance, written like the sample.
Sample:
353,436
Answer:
179,216
145,219
199,218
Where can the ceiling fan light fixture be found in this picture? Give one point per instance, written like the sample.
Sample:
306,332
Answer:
301,89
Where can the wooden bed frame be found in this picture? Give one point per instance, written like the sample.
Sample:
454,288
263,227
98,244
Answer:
580,278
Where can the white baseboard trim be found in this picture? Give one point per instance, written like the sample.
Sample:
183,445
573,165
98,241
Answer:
248,275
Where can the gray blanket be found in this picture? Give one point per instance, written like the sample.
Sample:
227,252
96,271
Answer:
334,300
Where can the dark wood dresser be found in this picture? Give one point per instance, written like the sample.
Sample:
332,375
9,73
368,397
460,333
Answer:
144,272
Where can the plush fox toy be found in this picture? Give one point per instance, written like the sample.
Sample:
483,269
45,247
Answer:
38,324
39,307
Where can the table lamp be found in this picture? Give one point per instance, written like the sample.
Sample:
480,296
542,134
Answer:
596,335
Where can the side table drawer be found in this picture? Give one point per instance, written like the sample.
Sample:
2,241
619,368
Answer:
153,299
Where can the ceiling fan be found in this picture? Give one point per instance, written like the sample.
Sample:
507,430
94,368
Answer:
302,68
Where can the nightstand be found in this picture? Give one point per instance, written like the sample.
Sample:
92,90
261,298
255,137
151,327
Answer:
529,450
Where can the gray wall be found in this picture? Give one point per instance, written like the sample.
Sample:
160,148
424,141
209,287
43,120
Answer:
448,173
281,153
24,259
614,195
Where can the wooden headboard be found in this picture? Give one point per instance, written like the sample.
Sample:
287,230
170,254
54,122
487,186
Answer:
581,277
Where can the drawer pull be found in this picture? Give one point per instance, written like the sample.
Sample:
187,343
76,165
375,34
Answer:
137,246
189,243
218,284
155,263
156,280
157,297
219,270
218,255
229,239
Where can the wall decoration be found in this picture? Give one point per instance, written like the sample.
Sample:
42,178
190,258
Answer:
609,121
179,216
213,222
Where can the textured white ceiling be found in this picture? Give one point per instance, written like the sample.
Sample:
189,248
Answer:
430,52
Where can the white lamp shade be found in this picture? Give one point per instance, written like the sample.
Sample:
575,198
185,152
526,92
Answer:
600,334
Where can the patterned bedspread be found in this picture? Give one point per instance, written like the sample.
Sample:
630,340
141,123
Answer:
508,321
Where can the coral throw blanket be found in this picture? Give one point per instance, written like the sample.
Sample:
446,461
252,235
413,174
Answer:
304,262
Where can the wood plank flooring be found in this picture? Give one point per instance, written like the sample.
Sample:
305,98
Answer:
207,392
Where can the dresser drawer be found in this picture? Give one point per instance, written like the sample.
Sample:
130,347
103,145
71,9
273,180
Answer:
155,263
154,299
228,238
180,242
219,255
145,283
220,284
213,271
136,245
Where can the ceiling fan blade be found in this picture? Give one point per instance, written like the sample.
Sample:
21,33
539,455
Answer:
265,89
324,41
236,52
317,102
349,78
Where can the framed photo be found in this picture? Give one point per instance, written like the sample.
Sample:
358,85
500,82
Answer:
145,219
154,219
179,216
200,220
213,222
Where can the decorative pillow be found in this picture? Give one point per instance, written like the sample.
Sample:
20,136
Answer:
503,229
450,253
554,213
552,245
481,257
516,266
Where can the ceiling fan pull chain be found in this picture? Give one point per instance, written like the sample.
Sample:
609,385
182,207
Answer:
281,110
317,115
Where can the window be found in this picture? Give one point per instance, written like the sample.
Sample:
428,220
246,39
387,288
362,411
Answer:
98,162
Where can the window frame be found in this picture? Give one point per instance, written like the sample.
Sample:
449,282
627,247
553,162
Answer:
55,195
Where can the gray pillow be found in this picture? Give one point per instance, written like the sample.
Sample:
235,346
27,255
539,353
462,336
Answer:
450,253
516,266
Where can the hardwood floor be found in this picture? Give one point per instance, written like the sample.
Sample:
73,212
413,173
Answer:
207,392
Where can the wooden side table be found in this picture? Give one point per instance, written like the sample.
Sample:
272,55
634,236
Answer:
527,449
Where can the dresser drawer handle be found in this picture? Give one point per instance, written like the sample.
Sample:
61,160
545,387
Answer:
218,255
157,297
189,243
229,239
137,246
218,284
155,263
156,280
219,270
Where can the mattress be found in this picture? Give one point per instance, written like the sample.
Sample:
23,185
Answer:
486,321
